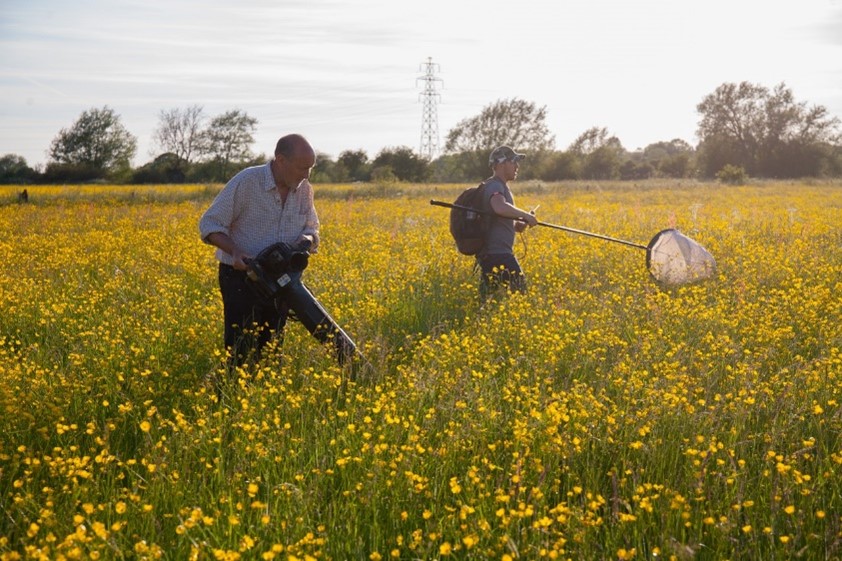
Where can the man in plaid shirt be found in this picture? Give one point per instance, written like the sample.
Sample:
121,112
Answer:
258,207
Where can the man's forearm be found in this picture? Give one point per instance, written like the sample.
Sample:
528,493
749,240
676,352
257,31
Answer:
222,241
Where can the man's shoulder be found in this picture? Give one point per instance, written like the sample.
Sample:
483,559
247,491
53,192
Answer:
260,170
254,175
494,185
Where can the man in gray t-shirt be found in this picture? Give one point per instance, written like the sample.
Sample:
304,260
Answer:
497,261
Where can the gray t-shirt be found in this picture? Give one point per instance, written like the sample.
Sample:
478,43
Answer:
501,235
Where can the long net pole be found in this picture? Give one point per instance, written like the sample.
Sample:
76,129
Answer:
547,225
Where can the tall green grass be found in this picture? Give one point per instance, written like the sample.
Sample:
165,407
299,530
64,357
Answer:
596,417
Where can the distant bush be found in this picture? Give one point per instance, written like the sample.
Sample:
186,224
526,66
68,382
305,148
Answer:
732,175
166,168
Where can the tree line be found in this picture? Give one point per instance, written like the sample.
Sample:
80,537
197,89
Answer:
744,130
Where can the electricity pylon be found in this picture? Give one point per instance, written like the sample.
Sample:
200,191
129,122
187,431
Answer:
429,117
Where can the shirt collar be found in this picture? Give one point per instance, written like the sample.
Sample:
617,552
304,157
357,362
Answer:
269,179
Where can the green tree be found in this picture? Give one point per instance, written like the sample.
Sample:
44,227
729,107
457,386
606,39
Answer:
166,168
589,141
356,164
405,164
670,159
630,170
326,170
658,150
601,155
603,163
767,133
558,166
460,167
731,115
678,165
471,166
14,169
179,132
518,123
227,141
97,143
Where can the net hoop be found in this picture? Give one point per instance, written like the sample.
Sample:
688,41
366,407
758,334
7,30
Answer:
674,259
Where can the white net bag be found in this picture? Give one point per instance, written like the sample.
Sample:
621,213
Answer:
673,259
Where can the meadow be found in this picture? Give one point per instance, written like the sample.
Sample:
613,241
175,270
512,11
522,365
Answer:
599,416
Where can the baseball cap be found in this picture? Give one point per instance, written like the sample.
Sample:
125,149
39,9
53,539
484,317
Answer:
504,153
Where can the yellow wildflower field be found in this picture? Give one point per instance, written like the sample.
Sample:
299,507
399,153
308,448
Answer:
598,416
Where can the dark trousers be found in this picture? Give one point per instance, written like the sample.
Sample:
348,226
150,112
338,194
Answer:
500,270
250,321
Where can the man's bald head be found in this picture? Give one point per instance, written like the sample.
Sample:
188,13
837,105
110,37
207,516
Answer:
293,145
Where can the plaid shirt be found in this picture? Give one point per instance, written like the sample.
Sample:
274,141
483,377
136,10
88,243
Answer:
250,212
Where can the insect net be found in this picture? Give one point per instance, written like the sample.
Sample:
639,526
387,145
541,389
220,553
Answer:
673,259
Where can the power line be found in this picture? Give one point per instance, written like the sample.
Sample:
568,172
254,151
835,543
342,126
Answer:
429,115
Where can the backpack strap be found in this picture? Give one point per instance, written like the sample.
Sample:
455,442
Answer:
481,188
487,218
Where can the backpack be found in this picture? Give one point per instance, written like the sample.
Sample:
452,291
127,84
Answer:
468,228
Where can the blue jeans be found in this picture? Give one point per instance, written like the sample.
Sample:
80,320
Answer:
500,270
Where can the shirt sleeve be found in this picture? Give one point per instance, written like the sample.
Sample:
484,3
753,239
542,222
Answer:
311,225
220,214
492,188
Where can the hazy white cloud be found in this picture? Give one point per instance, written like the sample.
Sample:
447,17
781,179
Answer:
346,74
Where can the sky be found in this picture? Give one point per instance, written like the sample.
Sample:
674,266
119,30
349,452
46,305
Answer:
349,74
